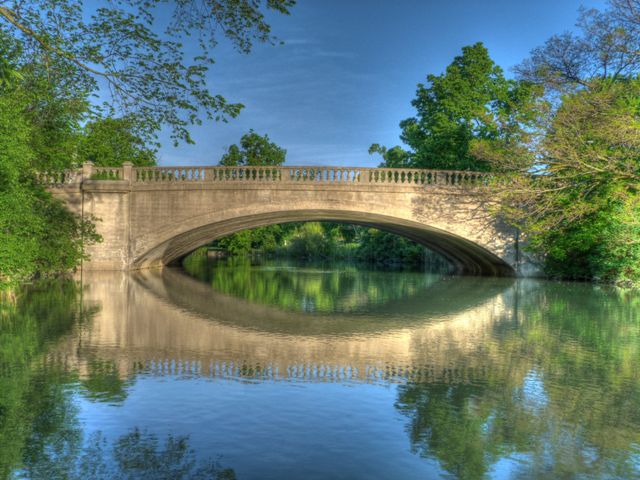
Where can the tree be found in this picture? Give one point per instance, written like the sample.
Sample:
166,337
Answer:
607,47
472,101
112,141
37,234
394,157
579,203
580,206
122,50
254,150
385,248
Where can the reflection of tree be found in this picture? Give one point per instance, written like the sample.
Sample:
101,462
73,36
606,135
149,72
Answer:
135,455
443,426
465,427
40,436
55,434
103,382
567,403
34,403
312,289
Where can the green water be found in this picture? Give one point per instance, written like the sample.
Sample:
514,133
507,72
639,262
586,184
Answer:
241,370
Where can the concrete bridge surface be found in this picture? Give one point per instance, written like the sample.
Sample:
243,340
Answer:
153,216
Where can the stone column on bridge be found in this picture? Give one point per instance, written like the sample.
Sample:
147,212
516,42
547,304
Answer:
127,172
107,203
87,171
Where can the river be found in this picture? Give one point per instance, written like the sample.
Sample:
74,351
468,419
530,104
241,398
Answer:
274,370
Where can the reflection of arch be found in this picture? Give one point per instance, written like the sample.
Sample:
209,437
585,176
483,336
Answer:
140,328
447,297
467,257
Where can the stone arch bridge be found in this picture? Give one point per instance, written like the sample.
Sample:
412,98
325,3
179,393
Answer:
153,216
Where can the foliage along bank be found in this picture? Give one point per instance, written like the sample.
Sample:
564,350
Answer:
324,241
97,84
564,136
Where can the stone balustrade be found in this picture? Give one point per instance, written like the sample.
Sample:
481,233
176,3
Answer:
107,173
266,174
67,177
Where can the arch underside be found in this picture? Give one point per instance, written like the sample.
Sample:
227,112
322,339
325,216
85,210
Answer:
466,257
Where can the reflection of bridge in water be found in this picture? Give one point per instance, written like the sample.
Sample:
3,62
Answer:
166,323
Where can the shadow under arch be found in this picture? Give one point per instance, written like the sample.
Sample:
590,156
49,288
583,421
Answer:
189,294
465,256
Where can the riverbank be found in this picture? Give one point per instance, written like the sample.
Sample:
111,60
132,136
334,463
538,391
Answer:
327,241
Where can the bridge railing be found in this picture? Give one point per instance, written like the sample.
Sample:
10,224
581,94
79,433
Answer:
107,173
321,175
66,177
266,174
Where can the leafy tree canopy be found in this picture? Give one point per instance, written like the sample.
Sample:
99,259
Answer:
606,47
472,101
394,157
37,234
254,150
134,54
112,141
579,205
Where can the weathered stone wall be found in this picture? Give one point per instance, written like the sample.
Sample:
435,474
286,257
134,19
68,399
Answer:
107,203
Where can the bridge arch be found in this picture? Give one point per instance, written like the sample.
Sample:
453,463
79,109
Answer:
465,256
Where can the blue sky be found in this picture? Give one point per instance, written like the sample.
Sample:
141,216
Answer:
348,71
